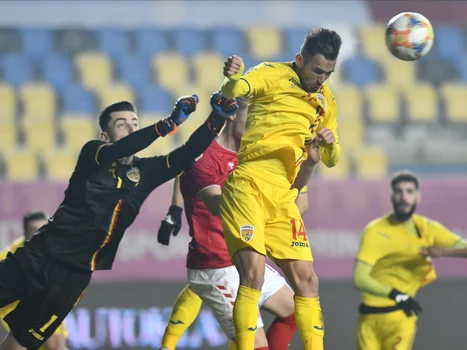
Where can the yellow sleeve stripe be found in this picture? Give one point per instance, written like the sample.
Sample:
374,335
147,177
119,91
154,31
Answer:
249,87
97,153
167,160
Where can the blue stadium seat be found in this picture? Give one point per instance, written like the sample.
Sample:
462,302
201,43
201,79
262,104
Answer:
361,71
293,40
76,99
189,40
36,43
134,70
450,42
113,42
17,69
463,67
153,99
57,69
249,61
151,41
228,41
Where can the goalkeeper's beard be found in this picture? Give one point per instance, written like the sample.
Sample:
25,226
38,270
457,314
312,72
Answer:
401,216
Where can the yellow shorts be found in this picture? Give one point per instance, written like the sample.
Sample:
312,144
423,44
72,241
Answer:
391,331
259,215
61,330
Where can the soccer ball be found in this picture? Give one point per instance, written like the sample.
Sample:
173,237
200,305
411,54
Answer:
409,36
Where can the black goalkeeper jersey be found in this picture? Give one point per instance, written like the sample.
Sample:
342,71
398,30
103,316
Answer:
104,196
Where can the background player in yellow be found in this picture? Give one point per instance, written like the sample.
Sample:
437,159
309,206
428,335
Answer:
32,221
390,268
290,109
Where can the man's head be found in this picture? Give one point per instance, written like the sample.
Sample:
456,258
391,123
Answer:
32,222
117,121
405,194
317,58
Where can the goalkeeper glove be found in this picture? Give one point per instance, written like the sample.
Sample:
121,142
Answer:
171,225
222,109
405,302
183,108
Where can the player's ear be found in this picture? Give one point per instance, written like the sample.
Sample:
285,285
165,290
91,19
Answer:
105,137
299,59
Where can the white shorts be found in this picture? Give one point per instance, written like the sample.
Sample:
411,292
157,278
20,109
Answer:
218,289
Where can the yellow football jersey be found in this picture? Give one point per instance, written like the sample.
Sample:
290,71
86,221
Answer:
394,251
282,120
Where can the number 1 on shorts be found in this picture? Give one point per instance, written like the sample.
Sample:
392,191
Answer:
47,325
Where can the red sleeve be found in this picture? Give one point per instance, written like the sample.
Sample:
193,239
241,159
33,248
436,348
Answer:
203,173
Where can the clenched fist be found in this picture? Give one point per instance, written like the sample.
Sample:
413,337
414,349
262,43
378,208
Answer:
325,136
232,65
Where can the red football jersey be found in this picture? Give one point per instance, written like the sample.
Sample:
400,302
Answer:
207,249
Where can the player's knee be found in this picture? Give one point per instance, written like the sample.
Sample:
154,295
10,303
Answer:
250,266
252,280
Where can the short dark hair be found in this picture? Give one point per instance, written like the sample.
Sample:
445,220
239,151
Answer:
33,216
322,41
122,106
404,176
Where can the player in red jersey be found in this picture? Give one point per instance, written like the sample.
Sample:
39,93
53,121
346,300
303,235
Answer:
212,277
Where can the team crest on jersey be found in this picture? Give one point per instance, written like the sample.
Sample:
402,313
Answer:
322,100
133,174
247,232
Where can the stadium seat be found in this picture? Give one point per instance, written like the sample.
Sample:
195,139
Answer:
17,69
135,71
463,68
360,71
8,136
450,42
264,44
398,72
8,105
10,41
36,43
59,164
21,165
38,102
349,95
422,103
40,136
76,99
208,69
115,92
250,61
383,103
342,170
74,40
293,40
351,135
228,41
162,145
187,41
371,163
372,39
171,70
455,100
57,70
153,99
95,69
436,70
150,41
114,42
78,129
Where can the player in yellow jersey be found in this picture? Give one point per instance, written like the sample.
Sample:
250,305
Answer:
290,107
390,268
32,221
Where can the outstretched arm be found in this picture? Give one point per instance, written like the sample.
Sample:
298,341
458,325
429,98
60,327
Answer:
172,222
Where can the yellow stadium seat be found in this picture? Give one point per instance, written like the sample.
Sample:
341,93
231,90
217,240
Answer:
208,68
264,43
373,41
171,70
38,102
455,98
95,69
340,171
349,95
8,105
114,93
59,164
399,73
163,145
77,130
351,135
383,103
8,136
422,102
371,163
21,165
40,136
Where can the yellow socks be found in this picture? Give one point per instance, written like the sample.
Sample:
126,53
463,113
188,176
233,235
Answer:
309,319
245,315
184,312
